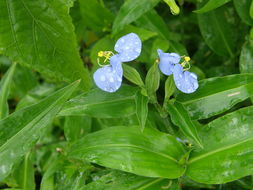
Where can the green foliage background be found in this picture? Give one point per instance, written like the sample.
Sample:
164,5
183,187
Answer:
58,131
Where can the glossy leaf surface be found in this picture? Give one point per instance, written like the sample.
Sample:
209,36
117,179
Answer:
128,149
181,118
227,153
216,95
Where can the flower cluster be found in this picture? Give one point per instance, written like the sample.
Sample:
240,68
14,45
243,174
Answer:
109,77
185,81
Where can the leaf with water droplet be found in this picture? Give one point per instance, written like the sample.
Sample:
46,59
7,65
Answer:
21,130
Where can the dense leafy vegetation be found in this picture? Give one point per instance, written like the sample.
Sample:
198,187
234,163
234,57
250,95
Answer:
59,131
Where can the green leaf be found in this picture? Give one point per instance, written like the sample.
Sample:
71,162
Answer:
152,81
228,154
158,43
128,149
40,35
130,11
132,75
211,4
100,104
154,22
76,127
216,95
181,118
4,91
95,15
23,81
141,32
125,181
243,9
21,130
141,109
169,89
219,33
25,173
246,57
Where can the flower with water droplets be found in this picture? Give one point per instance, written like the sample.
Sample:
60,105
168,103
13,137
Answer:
167,61
185,81
109,77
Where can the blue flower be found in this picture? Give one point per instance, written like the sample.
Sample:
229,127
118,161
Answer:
167,61
185,81
109,77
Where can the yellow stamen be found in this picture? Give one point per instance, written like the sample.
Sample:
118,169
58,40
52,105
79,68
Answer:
187,58
100,54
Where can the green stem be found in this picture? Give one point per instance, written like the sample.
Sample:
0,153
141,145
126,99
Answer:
173,6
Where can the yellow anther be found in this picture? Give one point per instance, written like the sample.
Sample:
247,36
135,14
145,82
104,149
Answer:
100,54
187,58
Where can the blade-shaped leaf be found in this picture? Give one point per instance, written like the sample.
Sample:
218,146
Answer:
148,153
152,81
243,9
130,11
4,91
40,35
20,130
141,109
100,104
228,153
219,32
181,118
125,181
211,4
132,75
216,95
95,15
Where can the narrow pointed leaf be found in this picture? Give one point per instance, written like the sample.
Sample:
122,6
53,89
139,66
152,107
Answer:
211,4
130,11
148,153
125,181
132,75
100,104
181,118
20,130
217,95
141,109
4,91
228,154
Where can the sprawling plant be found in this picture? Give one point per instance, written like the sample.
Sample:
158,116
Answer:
126,95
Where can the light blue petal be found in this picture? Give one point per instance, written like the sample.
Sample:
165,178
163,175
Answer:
107,78
167,61
185,81
116,64
128,47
